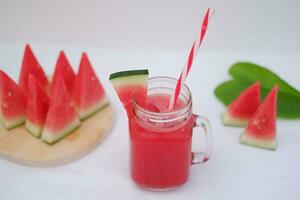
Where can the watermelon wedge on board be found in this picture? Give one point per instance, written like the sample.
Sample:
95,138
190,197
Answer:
243,107
37,107
261,129
30,65
61,118
88,93
13,102
64,69
129,85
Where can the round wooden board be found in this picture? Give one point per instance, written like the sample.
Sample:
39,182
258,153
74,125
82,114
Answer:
19,146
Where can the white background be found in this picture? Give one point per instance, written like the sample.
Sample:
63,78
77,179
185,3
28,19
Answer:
157,35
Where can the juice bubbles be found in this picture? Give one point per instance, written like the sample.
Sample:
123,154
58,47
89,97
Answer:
161,149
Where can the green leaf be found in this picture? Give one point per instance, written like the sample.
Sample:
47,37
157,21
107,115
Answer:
250,73
288,105
229,91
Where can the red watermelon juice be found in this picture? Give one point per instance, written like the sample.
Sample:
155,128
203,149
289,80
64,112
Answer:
161,139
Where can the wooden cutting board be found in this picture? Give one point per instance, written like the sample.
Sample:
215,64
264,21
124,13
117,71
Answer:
19,146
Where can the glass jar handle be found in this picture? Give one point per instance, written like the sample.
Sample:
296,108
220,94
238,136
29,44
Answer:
201,157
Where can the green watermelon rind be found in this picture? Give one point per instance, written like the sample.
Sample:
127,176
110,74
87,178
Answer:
46,135
141,80
11,124
130,73
256,142
84,114
134,77
33,129
230,120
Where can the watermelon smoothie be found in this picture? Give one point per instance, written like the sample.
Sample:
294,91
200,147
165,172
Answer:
161,139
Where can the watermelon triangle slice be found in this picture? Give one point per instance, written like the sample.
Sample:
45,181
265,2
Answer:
13,102
243,107
64,69
61,118
261,129
37,107
129,85
88,93
30,65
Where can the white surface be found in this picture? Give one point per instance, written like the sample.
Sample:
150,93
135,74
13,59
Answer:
157,37
256,25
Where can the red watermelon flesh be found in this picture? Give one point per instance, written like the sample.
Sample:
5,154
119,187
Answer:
13,102
129,92
261,129
131,86
64,69
243,107
30,65
61,118
88,93
37,106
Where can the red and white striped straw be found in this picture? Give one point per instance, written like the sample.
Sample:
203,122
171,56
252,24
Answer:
195,47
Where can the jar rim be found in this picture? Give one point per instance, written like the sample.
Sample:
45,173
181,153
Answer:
167,116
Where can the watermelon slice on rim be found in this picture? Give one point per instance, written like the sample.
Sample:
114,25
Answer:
243,107
88,94
129,85
261,129
64,69
13,102
61,117
30,65
37,107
